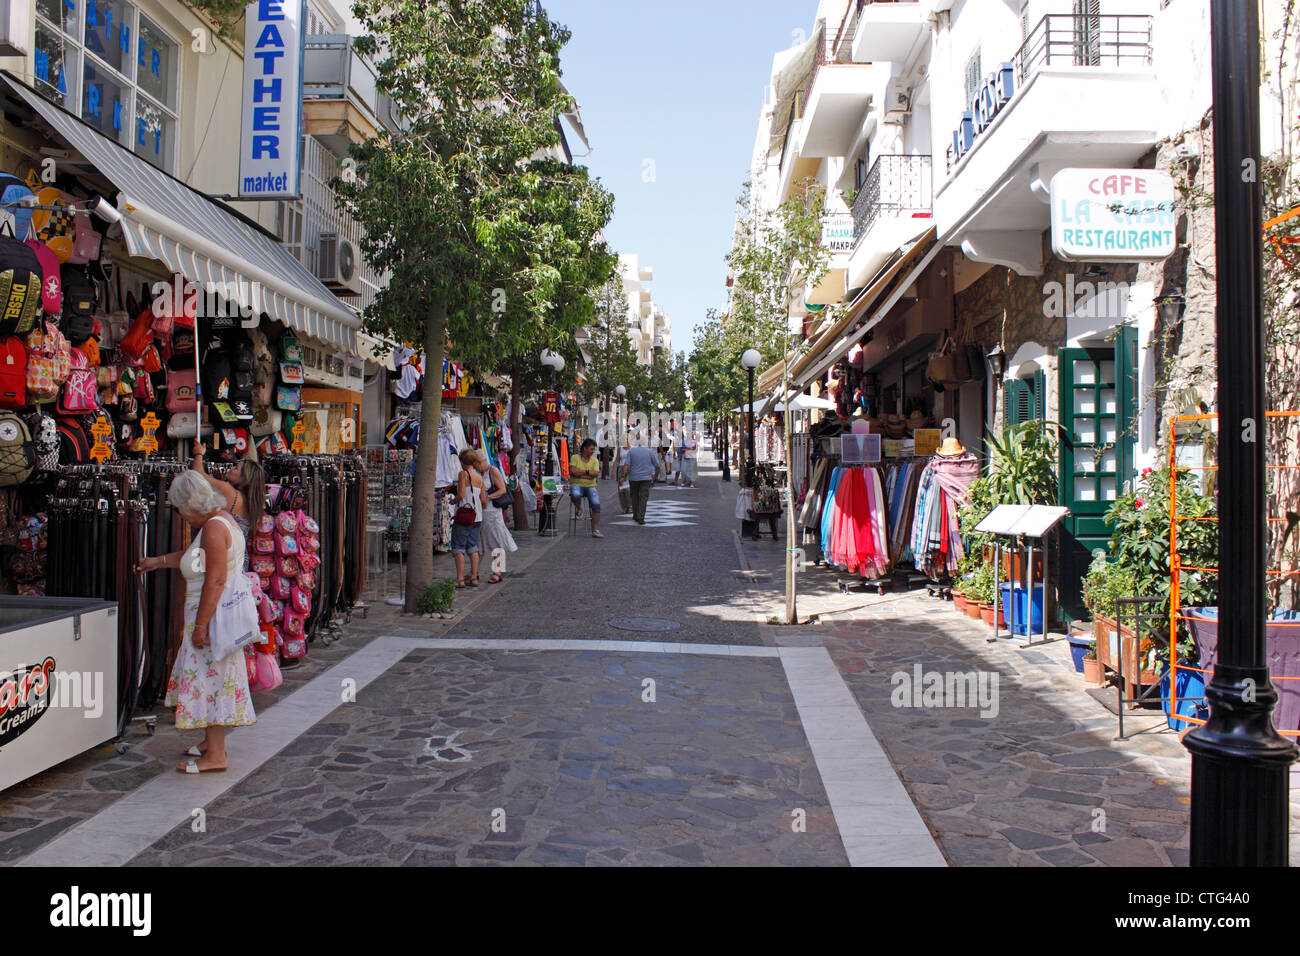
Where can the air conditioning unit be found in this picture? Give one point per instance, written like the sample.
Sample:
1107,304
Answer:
898,101
339,265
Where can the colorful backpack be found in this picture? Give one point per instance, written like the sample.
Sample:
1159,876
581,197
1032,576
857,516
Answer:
81,391
17,453
13,372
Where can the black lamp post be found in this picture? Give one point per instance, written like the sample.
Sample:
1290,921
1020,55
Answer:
998,367
1240,763
750,361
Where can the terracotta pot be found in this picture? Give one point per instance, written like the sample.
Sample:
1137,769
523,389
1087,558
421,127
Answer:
959,602
973,609
1092,670
986,614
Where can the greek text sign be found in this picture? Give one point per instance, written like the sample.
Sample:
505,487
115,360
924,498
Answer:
271,149
1112,215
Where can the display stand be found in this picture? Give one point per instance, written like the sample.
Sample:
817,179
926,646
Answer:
1021,526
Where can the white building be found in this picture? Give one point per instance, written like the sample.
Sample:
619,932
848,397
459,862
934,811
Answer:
649,327
937,125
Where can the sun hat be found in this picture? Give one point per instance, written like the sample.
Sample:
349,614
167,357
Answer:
950,448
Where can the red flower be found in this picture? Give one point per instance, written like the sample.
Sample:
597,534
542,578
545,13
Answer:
1137,503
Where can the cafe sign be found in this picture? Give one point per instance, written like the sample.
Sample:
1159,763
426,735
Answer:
1112,215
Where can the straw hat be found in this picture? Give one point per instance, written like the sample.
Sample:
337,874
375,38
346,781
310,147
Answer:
918,419
895,425
950,448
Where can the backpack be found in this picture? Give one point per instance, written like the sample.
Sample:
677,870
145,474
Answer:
17,453
78,320
52,279
12,191
245,368
13,372
73,447
217,377
81,391
20,286
49,360
180,391
45,440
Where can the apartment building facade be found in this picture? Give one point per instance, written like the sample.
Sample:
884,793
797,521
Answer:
649,327
936,127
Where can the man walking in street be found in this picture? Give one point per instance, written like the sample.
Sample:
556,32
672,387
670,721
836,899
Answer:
640,466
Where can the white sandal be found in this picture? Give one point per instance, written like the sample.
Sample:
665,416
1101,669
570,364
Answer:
193,767
193,751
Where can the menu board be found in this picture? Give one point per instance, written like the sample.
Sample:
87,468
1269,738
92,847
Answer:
927,440
860,449
893,447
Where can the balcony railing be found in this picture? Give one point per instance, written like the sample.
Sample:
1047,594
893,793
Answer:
896,187
332,70
1067,39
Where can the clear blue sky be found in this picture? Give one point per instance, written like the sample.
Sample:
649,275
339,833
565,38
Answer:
679,82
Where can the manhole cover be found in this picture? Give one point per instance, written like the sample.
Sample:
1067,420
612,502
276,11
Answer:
644,624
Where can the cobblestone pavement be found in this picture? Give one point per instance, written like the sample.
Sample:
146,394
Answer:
558,749
1042,782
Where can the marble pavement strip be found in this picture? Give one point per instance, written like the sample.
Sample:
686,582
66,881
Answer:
878,823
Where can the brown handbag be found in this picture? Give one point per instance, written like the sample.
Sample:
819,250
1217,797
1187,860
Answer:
941,368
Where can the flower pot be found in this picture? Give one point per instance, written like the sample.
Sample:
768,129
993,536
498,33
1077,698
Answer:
986,614
973,609
1092,670
1191,698
959,602
1079,647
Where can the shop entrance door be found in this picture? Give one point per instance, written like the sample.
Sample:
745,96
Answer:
1098,412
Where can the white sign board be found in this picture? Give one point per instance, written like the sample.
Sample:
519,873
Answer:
270,151
1112,215
1030,521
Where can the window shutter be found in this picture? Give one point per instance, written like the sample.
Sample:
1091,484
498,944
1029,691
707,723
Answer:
972,76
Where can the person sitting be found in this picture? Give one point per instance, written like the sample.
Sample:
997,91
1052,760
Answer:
584,469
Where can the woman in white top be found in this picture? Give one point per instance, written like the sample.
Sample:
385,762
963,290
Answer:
690,448
464,537
208,694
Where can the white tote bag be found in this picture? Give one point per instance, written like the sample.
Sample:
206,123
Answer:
234,624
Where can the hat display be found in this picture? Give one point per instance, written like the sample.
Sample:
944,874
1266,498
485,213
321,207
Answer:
918,419
895,426
950,448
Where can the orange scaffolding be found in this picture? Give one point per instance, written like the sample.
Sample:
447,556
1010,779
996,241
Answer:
1176,569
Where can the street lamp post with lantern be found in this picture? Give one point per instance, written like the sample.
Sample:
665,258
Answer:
749,361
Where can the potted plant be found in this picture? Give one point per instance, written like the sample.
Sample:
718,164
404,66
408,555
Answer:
1091,666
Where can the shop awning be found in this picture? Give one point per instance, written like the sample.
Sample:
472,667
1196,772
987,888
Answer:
838,339
191,234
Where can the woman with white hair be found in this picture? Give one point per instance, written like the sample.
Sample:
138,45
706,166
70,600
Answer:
208,694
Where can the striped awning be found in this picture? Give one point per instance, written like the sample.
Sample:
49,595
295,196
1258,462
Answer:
165,219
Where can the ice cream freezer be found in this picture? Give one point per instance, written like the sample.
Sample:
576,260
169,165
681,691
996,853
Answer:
58,681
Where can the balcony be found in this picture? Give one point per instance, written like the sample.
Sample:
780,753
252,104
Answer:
1081,91
888,29
834,101
341,103
891,209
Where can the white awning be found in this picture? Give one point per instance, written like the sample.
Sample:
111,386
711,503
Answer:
165,219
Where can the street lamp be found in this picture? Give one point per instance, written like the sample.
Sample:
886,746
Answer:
749,361
998,366
621,392
555,362
1240,764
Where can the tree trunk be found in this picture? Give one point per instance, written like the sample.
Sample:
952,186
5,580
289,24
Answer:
517,434
419,557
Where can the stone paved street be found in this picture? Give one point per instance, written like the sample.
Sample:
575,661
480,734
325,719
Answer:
522,731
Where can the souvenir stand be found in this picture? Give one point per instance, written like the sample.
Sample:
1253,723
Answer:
112,362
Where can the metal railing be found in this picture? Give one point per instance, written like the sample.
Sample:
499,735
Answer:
896,186
1067,39
332,70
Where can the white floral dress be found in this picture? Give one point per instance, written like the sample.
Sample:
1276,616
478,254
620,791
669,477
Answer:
204,691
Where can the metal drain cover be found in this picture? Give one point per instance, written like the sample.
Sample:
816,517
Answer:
644,624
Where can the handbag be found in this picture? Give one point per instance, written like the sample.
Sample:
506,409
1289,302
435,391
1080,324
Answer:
234,623
941,367
465,515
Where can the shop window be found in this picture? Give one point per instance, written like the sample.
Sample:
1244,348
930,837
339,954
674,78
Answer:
116,68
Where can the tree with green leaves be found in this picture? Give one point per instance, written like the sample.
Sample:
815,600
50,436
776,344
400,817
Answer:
489,241
613,359
776,255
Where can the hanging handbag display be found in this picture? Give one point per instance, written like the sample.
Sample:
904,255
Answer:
20,283
941,368
182,395
80,393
